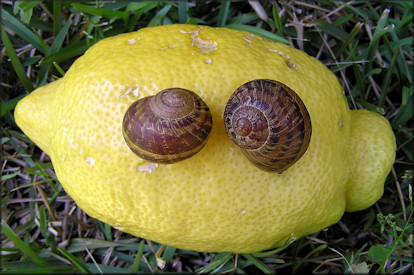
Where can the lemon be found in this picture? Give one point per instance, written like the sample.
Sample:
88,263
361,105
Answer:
216,200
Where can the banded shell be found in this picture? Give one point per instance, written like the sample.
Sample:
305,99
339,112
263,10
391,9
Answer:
171,126
269,122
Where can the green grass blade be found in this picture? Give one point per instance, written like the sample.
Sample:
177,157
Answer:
75,261
243,19
382,22
137,261
43,223
73,50
105,269
79,244
142,6
332,30
6,107
277,21
59,69
360,83
116,5
168,253
255,30
387,79
350,37
138,9
21,245
380,30
259,264
9,176
182,12
406,111
361,12
38,270
43,74
60,37
25,9
343,19
405,44
288,242
106,13
218,261
321,247
21,30
108,232
17,65
57,13
26,5
223,13
157,19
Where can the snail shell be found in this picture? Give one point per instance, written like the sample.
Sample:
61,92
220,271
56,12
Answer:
269,122
171,126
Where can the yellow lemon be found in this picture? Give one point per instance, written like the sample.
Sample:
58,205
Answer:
216,200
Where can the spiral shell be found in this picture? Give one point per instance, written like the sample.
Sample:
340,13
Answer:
269,122
171,126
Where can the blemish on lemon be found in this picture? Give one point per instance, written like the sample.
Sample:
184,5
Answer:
90,161
148,167
134,92
202,45
291,65
168,47
132,41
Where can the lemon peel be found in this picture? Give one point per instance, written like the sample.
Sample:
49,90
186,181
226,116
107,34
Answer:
216,200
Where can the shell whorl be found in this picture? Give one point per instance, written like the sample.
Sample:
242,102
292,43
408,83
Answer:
168,127
269,122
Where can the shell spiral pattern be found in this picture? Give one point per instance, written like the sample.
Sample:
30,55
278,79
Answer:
168,127
269,122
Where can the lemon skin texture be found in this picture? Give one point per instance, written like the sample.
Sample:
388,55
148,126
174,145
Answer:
216,200
368,158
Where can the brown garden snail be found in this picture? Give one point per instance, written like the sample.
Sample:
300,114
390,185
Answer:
168,127
269,122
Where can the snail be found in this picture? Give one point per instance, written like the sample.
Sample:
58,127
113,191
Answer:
168,127
269,122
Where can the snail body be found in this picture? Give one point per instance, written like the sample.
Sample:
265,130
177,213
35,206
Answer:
269,122
168,127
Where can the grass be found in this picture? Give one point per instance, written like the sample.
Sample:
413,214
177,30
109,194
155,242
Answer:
367,44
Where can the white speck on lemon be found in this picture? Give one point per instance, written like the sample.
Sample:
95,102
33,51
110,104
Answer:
134,92
90,161
127,91
148,167
168,47
133,41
